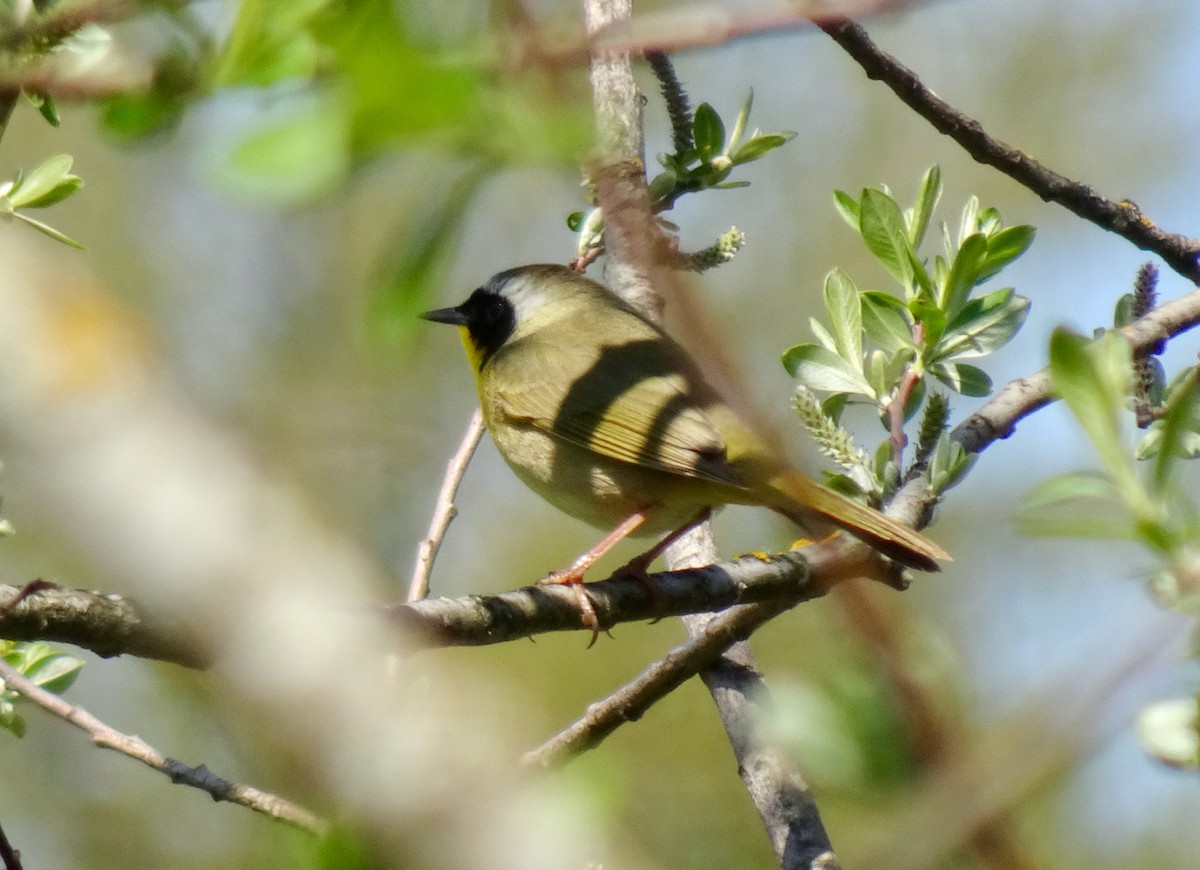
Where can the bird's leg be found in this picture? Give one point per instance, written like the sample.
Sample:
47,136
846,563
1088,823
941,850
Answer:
573,575
637,567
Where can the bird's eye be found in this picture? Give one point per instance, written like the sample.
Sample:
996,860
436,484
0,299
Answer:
493,312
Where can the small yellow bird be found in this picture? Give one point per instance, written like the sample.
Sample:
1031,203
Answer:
607,418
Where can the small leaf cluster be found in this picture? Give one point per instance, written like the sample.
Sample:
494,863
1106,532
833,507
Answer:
708,160
39,663
48,184
881,348
702,160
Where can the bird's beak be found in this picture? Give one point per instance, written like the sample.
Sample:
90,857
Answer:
453,316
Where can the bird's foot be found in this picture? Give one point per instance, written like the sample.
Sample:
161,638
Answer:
573,577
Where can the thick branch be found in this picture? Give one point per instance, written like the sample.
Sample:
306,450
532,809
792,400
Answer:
1123,218
478,620
105,623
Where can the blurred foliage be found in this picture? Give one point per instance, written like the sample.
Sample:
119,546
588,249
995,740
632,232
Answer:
346,84
1151,504
928,330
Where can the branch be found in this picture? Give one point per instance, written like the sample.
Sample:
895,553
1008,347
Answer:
1019,398
628,703
478,620
1123,218
105,623
197,777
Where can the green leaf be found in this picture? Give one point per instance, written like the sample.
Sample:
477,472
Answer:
1075,505
963,378
293,159
1004,247
845,315
760,145
396,88
884,321
964,273
882,228
822,369
708,132
41,184
44,103
10,719
877,373
968,223
931,318
739,125
1177,422
67,186
833,405
419,257
848,207
949,464
928,195
54,672
269,42
824,336
983,325
1123,313
1093,377
662,186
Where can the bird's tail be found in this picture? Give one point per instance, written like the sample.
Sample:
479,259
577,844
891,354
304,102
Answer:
798,499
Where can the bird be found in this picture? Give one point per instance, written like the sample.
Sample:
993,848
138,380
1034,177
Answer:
601,413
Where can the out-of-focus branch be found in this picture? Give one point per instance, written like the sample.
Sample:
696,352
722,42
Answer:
138,749
105,623
636,256
1123,218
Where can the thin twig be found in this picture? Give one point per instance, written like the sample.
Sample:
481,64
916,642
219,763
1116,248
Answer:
628,703
444,511
1123,218
200,777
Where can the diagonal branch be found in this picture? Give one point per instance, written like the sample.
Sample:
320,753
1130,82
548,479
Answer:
1123,218
134,747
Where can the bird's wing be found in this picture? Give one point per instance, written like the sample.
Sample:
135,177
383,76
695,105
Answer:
635,401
